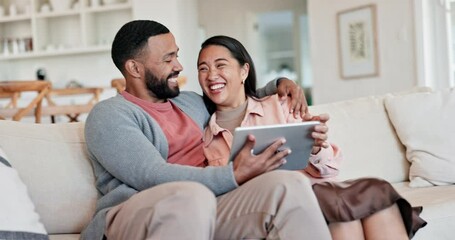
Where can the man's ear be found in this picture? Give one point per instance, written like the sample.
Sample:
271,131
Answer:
133,68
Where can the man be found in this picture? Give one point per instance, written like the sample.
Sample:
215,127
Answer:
136,140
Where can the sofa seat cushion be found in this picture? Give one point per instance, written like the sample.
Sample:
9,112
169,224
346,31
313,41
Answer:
438,209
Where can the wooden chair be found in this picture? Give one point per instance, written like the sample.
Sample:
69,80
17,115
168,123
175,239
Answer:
72,111
13,89
13,97
119,84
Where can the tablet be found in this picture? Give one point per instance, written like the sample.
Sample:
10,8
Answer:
297,135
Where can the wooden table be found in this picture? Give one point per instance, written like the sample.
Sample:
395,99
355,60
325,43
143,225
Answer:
13,89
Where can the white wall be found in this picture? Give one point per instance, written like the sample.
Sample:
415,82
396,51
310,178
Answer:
395,46
229,17
181,18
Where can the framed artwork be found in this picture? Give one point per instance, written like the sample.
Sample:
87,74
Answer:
357,42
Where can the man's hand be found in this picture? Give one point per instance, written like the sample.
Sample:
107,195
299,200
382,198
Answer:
247,165
320,131
287,88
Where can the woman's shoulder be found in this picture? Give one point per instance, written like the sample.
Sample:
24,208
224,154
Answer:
276,105
270,98
273,100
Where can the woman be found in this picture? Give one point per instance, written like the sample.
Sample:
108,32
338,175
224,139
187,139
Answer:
227,78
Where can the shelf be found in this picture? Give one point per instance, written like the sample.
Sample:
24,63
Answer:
58,14
80,30
62,52
110,7
17,18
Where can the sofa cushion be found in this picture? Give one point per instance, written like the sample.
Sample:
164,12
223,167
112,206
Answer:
52,161
362,130
18,218
438,209
425,125
368,142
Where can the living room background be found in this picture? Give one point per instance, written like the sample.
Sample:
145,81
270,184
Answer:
406,52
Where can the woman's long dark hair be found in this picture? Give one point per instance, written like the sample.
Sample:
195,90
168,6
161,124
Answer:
239,52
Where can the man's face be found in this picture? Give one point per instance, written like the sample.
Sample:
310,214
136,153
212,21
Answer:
162,67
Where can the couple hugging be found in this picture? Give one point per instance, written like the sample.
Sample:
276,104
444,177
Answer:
160,155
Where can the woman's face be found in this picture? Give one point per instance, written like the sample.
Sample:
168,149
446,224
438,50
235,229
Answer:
221,77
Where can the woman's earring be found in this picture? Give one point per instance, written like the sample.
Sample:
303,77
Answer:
243,82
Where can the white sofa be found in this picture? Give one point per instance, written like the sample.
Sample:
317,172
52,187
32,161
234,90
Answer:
52,161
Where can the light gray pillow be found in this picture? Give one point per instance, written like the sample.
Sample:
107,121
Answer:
425,125
18,218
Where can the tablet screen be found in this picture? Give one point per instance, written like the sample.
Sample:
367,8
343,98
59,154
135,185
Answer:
297,135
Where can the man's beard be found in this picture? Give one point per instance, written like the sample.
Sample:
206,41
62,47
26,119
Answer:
160,87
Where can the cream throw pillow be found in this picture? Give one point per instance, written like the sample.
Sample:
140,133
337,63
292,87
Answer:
425,124
18,218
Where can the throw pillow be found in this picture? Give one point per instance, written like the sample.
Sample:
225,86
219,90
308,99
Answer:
18,219
424,122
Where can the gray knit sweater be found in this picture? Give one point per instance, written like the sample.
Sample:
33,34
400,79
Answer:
129,150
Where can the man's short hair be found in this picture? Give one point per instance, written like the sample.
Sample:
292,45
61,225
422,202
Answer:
132,38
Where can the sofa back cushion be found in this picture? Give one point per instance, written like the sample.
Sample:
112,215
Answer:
425,125
52,161
366,137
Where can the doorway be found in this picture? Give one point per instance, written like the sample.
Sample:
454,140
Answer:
282,48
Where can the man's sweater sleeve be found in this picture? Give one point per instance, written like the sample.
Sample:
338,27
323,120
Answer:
269,89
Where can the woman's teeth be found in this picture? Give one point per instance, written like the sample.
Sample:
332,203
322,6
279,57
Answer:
216,86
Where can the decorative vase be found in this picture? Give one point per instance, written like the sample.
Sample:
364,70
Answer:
60,5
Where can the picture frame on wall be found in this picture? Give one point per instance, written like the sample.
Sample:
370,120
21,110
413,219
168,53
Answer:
357,42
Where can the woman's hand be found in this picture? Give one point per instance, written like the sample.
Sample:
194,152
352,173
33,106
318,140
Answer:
320,131
299,104
248,165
